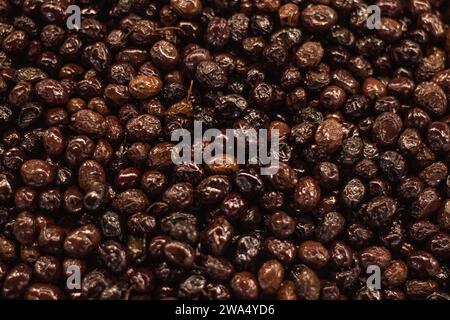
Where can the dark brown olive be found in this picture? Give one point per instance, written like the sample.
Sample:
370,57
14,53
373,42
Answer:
438,136
387,127
96,197
333,97
143,128
410,141
282,127
51,239
272,200
179,253
52,92
427,202
187,9
37,173
287,291
431,97
329,135
53,141
218,235
439,245
309,54
89,122
143,87
25,198
244,286
444,216
307,284
330,227
327,174
423,264
16,42
392,165
424,157
217,33
179,195
43,291
142,280
156,246
7,249
281,225
313,254
421,288
233,206
20,94
375,255
344,79
131,201
410,188
82,241
341,255
211,75
153,182
381,210
330,291
289,15
218,268
434,174
73,200
159,157
16,281
213,189
164,55
89,173
25,228
47,269
319,18
395,274
307,194
113,255
79,149
270,276
282,250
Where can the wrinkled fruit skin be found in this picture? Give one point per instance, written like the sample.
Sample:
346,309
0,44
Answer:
91,119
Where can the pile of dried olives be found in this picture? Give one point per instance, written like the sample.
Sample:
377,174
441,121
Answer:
93,207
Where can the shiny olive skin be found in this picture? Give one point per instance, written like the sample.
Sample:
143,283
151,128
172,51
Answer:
353,172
